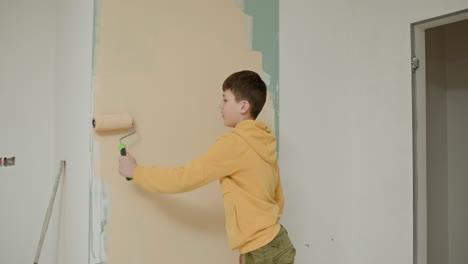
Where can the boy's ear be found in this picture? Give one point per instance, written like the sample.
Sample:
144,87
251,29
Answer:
245,107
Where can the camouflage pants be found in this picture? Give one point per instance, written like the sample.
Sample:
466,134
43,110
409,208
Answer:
278,251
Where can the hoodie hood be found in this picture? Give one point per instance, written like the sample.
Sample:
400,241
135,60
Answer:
259,137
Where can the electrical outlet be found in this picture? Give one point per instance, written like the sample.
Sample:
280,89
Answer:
8,161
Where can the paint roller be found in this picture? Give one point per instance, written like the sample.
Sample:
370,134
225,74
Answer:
104,123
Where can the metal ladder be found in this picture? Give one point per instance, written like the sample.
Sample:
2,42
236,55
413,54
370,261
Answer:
49,211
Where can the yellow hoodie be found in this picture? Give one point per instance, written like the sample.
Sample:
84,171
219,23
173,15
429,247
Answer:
244,161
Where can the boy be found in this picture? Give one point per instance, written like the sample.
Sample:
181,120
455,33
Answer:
244,161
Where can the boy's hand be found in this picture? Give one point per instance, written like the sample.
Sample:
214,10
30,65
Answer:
127,165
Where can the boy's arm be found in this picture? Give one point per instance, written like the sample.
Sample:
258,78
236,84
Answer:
279,197
221,160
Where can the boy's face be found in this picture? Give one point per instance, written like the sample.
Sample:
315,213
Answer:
233,112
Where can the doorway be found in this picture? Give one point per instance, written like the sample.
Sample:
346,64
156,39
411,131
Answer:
440,138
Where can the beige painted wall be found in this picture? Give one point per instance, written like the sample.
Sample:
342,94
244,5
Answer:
164,62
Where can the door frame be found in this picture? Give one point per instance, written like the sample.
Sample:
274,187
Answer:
418,80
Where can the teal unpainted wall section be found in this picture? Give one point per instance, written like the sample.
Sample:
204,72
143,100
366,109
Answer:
265,39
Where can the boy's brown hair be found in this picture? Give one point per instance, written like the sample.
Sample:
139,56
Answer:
249,86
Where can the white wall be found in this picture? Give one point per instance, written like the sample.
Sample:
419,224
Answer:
345,127
73,124
45,78
27,94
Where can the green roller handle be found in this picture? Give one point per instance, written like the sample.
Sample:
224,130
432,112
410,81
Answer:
123,152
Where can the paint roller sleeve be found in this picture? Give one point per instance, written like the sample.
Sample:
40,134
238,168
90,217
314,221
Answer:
112,122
